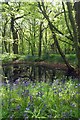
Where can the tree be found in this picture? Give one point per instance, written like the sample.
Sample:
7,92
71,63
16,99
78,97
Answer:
76,28
51,26
40,39
15,35
77,18
4,30
4,42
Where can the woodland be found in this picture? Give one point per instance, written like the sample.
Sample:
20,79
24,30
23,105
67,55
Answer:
40,60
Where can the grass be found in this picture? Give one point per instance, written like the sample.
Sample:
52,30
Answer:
56,58
26,100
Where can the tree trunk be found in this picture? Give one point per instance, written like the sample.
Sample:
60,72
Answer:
3,35
40,40
67,24
77,18
45,42
34,35
31,41
15,36
75,35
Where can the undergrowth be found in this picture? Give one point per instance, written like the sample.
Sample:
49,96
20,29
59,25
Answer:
56,58
24,99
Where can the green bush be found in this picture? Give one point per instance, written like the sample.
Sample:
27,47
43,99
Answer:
11,57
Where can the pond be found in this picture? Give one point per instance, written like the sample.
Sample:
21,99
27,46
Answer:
32,73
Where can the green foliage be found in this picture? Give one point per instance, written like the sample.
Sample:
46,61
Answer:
11,57
72,58
31,58
56,58
25,99
27,19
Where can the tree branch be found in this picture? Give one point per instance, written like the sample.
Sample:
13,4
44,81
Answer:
66,42
18,17
52,24
58,14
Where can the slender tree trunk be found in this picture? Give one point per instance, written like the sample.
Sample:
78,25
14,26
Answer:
15,36
67,24
45,42
21,37
31,43
3,35
34,35
4,42
40,40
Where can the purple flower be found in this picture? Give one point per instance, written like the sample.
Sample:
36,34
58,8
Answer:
26,91
26,83
73,104
16,82
25,118
27,109
18,107
25,114
79,84
4,84
31,98
11,117
60,89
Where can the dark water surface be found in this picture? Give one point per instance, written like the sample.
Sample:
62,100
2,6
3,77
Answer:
32,73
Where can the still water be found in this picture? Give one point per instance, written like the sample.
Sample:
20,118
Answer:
11,73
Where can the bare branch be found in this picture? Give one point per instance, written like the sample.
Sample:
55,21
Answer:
58,14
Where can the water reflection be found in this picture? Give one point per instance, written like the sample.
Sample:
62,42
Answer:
32,73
